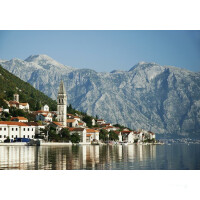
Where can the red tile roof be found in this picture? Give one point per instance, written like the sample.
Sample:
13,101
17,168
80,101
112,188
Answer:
19,118
91,131
13,123
23,104
71,120
76,129
57,123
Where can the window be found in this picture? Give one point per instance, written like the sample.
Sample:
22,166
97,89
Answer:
0,129
4,129
24,129
32,136
15,136
12,136
0,136
28,136
24,136
4,136
28,129
59,100
16,129
32,129
12,129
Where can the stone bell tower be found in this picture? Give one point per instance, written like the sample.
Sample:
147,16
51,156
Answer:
16,97
62,105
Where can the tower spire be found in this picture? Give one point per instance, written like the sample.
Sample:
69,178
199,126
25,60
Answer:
61,88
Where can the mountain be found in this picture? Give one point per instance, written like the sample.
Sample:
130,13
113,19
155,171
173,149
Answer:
10,84
164,99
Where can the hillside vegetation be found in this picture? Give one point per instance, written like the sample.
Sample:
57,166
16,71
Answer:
10,84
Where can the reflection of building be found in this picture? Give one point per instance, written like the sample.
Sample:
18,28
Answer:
76,157
17,157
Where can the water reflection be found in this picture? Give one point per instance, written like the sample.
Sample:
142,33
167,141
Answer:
100,157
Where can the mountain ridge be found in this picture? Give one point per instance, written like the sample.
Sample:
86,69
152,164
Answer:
147,96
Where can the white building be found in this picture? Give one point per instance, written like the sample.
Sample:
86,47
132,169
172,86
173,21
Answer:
16,130
93,122
127,136
72,122
81,132
92,135
45,108
44,116
100,121
24,106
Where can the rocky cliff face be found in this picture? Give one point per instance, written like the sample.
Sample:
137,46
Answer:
164,99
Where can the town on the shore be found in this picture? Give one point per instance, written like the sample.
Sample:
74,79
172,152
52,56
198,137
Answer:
56,127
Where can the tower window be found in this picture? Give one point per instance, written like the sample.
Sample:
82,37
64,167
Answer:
62,100
59,100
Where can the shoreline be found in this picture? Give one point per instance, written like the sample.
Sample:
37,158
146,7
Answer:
69,144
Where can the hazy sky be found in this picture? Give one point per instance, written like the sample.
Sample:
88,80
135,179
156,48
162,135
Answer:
105,50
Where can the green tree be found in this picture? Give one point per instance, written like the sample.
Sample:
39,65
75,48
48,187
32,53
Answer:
75,138
113,136
88,120
103,135
3,103
65,135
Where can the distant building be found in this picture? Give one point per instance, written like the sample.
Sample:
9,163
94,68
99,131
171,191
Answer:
44,116
72,122
15,103
100,121
16,97
19,119
45,108
91,135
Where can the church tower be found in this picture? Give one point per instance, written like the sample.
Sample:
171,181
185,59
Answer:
62,105
16,97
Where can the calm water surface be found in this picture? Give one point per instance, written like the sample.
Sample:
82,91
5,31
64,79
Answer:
176,156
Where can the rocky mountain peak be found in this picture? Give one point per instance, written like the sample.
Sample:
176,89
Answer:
163,99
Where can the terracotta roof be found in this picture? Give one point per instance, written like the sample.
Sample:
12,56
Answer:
91,131
19,118
106,124
127,132
76,117
33,124
100,120
88,135
23,104
57,123
13,123
70,115
76,129
13,102
70,120
80,123
42,111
